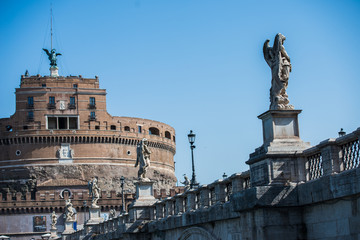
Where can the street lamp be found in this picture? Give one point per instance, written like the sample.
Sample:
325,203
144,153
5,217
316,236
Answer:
122,181
193,183
342,132
84,204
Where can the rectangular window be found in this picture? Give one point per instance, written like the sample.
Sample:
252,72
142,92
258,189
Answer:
30,100
62,122
52,100
92,115
73,123
139,129
75,86
92,101
52,123
72,100
31,116
43,85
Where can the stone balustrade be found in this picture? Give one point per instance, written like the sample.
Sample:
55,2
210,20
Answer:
332,156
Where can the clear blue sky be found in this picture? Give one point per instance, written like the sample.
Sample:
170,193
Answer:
195,64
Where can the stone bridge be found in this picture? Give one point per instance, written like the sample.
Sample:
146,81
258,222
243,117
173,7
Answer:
309,194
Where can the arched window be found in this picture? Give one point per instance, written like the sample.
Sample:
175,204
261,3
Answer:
127,128
154,131
167,134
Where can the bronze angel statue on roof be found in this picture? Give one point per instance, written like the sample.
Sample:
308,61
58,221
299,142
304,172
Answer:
279,62
52,56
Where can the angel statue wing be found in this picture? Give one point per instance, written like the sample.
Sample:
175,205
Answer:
47,51
90,186
267,50
58,54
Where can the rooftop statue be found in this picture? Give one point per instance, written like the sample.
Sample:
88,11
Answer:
143,159
52,56
279,62
94,192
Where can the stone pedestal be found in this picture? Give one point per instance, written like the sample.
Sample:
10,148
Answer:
53,233
69,227
92,224
278,160
143,206
54,71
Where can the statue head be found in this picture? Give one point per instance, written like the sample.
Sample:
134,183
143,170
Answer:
145,141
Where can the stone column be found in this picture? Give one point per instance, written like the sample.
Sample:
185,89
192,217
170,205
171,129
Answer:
190,200
179,204
220,191
237,182
169,206
330,153
142,208
159,207
277,161
204,201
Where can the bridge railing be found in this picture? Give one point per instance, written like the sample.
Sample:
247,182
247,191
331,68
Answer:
333,155
205,196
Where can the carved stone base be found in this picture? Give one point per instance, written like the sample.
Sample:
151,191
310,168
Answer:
53,233
54,72
142,207
69,227
278,160
94,218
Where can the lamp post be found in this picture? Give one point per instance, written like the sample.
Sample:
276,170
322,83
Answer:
122,181
193,183
84,204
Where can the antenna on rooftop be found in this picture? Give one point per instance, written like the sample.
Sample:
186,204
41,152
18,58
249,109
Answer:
52,53
51,18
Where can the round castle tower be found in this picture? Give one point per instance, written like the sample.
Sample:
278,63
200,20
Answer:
61,135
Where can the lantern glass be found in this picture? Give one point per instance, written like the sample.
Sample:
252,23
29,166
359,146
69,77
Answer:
191,137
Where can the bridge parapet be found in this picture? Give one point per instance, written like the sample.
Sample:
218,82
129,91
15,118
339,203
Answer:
332,156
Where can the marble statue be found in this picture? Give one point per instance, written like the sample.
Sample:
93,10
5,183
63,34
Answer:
52,56
69,211
186,183
53,220
279,62
143,159
94,192
112,213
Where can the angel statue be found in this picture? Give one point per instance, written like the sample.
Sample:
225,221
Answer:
186,183
94,192
143,158
279,62
52,56
69,210
53,220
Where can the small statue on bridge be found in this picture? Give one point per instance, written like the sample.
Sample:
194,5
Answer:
143,159
52,55
186,183
279,62
69,211
94,192
53,220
